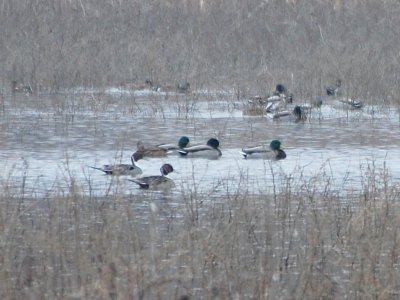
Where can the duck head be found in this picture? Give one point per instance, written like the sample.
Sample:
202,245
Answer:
214,143
275,145
137,156
183,142
166,169
280,88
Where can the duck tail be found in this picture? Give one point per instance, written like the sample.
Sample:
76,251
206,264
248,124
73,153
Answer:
96,168
244,154
101,169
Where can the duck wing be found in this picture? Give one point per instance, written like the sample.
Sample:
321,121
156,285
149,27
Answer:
254,150
121,169
153,182
168,147
194,149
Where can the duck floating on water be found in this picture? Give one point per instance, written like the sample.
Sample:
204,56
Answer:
278,101
340,100
210,150
273,151
156,181
162,150
351,103
123,169
298,114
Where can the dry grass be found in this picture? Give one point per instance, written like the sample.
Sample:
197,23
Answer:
248,46
299,243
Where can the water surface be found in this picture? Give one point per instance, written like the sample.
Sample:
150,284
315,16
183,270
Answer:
49,140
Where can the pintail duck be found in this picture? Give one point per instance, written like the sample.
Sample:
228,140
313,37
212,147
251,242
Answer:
123,169
210,150
156,182
273,151
163,149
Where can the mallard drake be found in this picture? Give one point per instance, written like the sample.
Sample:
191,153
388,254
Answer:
210,150
123,169
278,102
298,114
273,151
163,149
158,181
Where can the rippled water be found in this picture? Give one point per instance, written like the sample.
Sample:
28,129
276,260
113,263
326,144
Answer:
46,141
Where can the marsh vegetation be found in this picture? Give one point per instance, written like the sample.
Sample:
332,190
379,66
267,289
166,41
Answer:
75,92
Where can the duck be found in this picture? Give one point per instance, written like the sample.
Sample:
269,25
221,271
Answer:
278,102
210,150
123,169
273,151
183,87
297,114
350,103
334,90
162,150
156,181
20,88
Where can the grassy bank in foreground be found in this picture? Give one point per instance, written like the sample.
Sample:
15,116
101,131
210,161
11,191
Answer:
298,243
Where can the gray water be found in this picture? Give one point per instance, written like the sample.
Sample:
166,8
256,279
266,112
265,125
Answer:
48,141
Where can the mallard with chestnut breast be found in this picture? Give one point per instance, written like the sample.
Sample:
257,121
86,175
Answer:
162,150
156,181
210,150
123,169
273,151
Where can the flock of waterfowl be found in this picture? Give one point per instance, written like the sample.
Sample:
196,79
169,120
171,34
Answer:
281,105
276,106
184,149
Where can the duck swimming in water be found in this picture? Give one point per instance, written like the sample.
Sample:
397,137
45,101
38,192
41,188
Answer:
123,169
210,150
158,181
298,114
273,151
162,150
